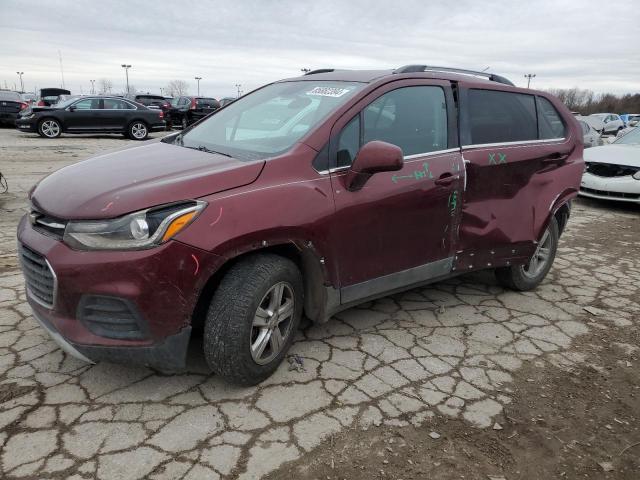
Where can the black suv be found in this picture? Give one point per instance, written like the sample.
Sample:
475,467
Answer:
188,110
92,115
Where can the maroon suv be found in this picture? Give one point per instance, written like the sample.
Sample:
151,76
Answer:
305,197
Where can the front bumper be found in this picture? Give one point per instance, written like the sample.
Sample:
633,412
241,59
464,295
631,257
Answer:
623,189
26,125
162,284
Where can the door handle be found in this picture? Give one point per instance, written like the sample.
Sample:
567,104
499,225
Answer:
557,157
446,179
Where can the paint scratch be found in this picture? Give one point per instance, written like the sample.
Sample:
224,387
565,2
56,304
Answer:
217,219
109,205
195,259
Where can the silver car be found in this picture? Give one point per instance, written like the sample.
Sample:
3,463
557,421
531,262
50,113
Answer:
591,137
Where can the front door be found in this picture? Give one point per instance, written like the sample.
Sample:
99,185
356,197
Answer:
400,228
85,115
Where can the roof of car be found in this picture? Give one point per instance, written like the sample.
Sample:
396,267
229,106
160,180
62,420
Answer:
368,76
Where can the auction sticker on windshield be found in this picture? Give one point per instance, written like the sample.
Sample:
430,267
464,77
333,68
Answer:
328,91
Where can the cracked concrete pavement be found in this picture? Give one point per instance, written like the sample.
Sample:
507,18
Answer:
450,349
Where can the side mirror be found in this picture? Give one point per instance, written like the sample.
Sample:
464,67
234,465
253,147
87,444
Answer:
373,157
72,108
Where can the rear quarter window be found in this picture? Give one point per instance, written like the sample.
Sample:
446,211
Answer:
550,122
496,117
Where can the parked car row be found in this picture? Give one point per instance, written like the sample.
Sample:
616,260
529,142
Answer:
92,114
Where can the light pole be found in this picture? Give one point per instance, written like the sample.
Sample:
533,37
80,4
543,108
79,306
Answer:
21,84
162,91
93,87
305,70
529,76
126,72
198,80
238,87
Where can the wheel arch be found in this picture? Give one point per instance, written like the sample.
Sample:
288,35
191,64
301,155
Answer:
318,297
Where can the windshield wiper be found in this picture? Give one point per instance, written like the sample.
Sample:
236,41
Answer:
202,148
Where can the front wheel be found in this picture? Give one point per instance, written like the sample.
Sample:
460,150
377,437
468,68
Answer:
527,277
185,123
138,131
49,128
253,317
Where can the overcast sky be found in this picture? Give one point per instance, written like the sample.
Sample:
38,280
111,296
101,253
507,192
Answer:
588,44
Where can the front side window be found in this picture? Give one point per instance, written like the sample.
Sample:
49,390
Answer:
549,121
413,118
348,143
269,121
498,117
88,104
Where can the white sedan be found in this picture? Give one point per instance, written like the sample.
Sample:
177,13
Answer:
612,172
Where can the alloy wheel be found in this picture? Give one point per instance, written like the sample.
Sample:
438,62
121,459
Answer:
139,130
272,322
540,257
50,128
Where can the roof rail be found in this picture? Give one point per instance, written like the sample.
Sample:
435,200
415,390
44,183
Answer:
320,70
423,68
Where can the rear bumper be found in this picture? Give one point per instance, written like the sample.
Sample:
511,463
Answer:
159,127
8,117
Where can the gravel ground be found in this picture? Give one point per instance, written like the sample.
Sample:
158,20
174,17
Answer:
461,379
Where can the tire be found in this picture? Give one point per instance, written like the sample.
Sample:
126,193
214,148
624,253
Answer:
49,128
138,130
527,277
239,322
184,123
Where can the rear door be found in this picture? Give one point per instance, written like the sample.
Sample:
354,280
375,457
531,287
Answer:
514,145
115,114
400,228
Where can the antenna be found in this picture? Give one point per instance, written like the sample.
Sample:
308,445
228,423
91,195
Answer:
61,69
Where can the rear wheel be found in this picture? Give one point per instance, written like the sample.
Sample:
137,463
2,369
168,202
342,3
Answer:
185,123
49,128
529,276
138,130
253,317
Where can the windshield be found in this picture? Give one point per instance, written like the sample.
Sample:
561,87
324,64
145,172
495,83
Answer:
269,121
631,138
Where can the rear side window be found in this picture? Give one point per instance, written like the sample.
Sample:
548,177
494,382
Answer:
549,121
207,102
413,118
496,117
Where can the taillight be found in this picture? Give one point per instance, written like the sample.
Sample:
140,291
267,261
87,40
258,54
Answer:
41,103
193,104
23,105
161,114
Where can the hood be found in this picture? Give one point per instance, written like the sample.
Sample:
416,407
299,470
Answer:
628,155
121,182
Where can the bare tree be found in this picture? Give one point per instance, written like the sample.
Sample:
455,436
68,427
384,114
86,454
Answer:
177,87
105,85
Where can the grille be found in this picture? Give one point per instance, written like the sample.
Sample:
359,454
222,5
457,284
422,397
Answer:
47,225
610,170
110,317
39,277
605,193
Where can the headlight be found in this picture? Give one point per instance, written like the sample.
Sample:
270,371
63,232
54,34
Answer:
136,231
637,175
28,117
